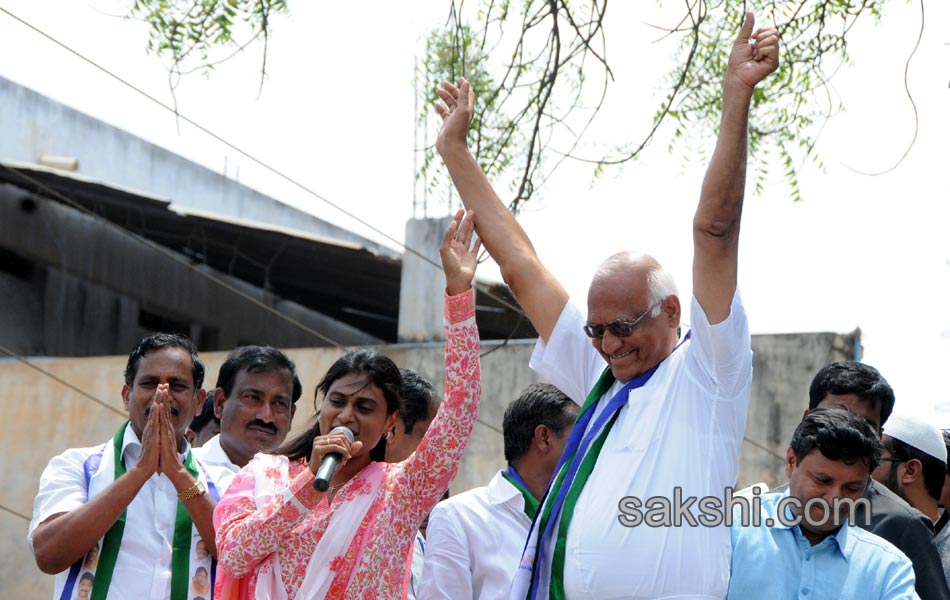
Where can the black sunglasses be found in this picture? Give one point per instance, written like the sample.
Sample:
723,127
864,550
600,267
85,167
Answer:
618,327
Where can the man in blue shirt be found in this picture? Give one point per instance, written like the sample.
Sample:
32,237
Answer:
804,547
863,391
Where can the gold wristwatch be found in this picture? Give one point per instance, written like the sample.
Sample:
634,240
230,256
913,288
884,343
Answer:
195,490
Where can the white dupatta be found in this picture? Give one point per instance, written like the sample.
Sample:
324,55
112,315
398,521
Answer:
344,524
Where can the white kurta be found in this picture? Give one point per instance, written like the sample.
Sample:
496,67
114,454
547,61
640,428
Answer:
143,566
216,461
474,543
682,429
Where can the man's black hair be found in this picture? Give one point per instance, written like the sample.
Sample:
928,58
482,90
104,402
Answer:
157,341
256,358
539,404
850,377
418,396
838,435
206,415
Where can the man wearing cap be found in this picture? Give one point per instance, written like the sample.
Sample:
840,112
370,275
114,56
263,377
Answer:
913,466
863,391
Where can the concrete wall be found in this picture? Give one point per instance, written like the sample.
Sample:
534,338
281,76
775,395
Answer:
32,125
783,366
421,287
44,417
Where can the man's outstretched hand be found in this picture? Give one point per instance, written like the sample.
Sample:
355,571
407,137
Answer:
456,110
754,55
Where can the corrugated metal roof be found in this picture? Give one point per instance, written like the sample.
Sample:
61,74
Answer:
339,278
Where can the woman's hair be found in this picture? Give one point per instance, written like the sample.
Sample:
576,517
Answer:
379,371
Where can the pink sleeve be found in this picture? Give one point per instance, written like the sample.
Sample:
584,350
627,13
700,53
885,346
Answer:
245,534
432,467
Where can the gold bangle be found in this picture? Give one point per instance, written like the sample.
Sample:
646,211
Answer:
195,490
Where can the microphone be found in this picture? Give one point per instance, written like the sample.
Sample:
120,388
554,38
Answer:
331,462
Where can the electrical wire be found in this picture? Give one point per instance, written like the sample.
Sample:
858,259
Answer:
174,256
170,254
60,380
15,513
764,448
246,154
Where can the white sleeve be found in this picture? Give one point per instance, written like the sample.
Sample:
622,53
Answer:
569,360
415,567
447,571
722,353
62,487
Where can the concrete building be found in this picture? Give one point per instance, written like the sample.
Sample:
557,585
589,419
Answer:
37,129
121,237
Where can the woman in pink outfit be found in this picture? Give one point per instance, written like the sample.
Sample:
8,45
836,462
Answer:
278,538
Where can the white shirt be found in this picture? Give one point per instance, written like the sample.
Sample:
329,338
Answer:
216,461
143,566
474,543
682,429
415,567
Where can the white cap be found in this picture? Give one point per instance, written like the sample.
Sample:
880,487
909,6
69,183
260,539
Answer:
918,434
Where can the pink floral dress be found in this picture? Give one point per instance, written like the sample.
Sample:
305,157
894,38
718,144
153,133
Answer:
283,532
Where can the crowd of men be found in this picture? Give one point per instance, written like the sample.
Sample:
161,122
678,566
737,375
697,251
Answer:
848,446
637,410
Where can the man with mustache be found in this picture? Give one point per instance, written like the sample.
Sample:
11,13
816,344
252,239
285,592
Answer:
142,497
255,398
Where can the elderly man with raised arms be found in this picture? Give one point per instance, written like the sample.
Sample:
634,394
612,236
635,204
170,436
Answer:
659,412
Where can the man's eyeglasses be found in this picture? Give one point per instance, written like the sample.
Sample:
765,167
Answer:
618,327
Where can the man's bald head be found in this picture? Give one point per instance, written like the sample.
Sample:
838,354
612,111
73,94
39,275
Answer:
632,313
636,271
